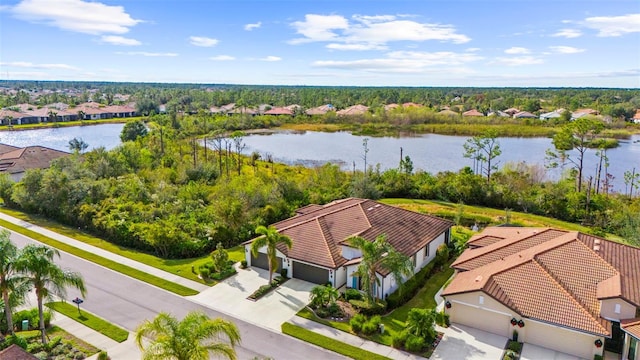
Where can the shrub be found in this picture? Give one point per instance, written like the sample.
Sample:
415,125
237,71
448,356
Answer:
442,319
509,355
15,339
409,288
103,355
352,294
283,273
33,317
322,312
369,328
244,264
414,343
334,310
220,258
53,343
598,357
224,274
204,272
35,347
398,339
356,322
442,255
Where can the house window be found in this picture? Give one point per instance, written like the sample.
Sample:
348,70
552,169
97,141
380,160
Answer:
480,299
426,251
616,309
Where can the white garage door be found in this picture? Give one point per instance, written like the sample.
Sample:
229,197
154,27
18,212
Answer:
481,319
551,337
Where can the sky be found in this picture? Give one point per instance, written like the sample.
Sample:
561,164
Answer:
500,43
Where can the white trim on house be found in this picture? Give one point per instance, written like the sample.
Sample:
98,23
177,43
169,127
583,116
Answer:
480,307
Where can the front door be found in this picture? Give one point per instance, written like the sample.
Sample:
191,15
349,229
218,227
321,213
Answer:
354,283
617,339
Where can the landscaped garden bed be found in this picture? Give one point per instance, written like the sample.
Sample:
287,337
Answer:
512,350
61,345
265,289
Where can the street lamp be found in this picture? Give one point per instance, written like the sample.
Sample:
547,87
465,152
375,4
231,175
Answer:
78,301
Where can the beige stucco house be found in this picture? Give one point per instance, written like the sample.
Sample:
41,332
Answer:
563,290
321,253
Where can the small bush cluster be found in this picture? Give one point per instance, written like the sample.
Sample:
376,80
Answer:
360,324
405,340
442,319
33,317
352,294
264,289
56,348
209,271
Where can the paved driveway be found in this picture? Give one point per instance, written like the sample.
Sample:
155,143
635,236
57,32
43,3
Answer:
534,352
465,343
270,311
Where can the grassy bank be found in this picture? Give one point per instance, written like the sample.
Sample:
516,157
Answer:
113,265
98,324
180,267
329,343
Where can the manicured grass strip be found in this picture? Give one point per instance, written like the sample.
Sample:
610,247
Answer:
129,271
309,315
102,326
329,343
180,267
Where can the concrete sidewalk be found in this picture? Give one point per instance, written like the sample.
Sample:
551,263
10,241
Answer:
107,254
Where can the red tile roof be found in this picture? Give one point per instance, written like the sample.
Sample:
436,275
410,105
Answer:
551,275
354,110
318,233
31,157
472,112
279,111
15,352
632,327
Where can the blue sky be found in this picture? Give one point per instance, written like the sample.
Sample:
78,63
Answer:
350,42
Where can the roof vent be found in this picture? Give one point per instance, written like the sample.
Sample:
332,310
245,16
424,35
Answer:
596,248
478,278
596,241
377,205
369,209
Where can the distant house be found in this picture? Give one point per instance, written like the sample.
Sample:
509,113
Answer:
512,111
411,105
563,290
472,112
448,112
353,110
498,113
279,111
10,117
390,107
524,115
16,161
551,115
636,117
583,112
321,252
119,111
320,110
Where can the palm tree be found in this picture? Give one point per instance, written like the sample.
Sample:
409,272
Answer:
270,238
376,256
323,295
47,278
77,145
12,285
420,322
193,338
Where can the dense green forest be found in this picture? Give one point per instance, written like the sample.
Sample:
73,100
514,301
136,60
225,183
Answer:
161,192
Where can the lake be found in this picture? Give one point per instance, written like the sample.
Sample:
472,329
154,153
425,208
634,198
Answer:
429,152
107,135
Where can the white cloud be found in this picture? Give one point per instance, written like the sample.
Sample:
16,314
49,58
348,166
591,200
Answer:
614,25
517,50
566,49
222,58
404,62
76,15
145,53
250,27
203,41
518,61
30,65
119,40
370,32
568,33
473,49
271,58
319,28
361,47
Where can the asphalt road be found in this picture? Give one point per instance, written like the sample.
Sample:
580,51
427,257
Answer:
127,302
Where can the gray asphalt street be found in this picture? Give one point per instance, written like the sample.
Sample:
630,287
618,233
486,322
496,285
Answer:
127,302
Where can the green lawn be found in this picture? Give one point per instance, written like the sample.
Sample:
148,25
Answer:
102,326
113,265
329,343
180,267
